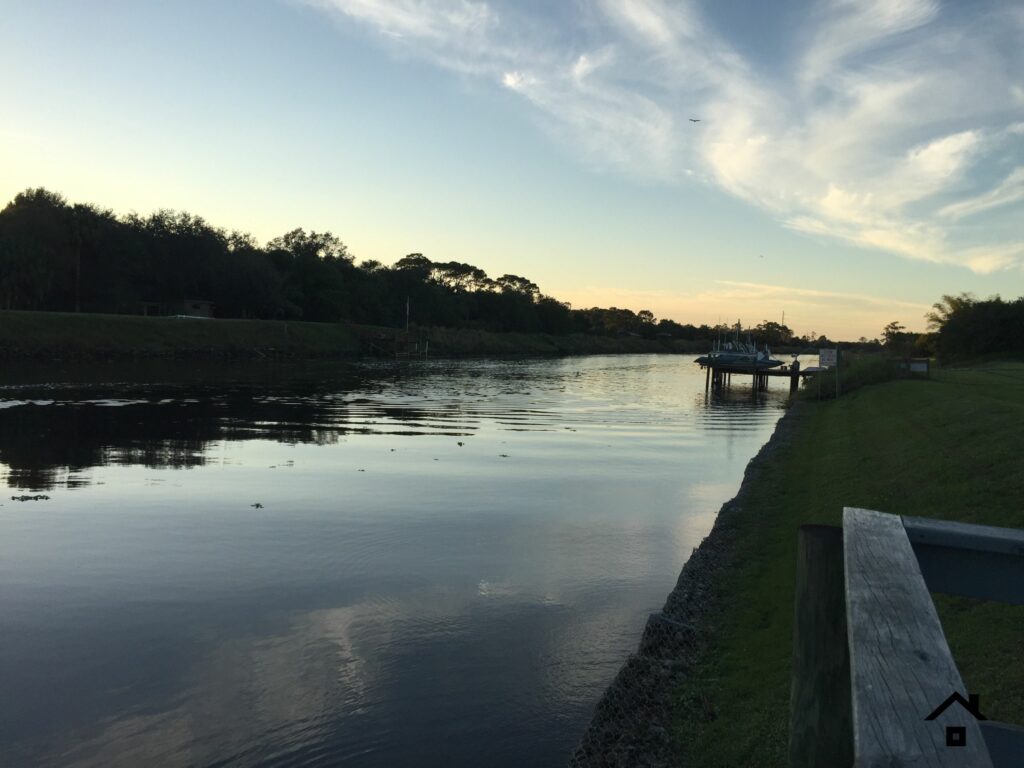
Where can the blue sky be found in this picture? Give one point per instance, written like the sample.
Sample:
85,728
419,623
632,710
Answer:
853,160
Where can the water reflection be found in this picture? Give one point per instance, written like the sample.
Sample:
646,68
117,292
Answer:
447,565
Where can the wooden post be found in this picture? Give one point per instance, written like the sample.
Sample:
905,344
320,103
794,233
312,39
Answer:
837,372
821,713
707,380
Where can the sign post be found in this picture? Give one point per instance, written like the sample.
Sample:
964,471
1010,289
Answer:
829,358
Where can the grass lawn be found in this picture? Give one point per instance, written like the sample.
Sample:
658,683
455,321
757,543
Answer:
949,448
65,334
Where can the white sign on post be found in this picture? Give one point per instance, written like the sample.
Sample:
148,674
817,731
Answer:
827,358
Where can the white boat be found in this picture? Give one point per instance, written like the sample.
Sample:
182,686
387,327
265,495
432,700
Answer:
739,355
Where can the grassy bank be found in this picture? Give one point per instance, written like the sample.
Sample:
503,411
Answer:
946,448
89,336
457,342
47,335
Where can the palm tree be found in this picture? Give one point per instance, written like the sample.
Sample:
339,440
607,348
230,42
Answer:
946,308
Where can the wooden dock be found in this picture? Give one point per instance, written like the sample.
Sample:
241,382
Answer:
719,376
388,342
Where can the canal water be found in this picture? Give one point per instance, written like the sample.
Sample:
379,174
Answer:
424,564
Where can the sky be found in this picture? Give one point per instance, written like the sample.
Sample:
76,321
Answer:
852,162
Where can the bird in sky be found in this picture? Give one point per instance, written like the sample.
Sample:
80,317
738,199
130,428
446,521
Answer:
694,119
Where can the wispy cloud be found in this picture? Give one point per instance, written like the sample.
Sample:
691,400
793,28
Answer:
434,20
834,313
885,127
736,289
1009,190
831,312
852,27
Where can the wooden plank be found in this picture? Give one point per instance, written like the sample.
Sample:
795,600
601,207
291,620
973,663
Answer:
900,664
821,722
970,560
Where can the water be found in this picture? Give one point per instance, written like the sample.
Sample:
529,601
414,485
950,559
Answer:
427,564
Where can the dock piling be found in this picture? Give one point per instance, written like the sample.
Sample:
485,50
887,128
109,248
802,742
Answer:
719,377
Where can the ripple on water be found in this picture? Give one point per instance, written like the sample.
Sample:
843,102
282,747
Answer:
369,565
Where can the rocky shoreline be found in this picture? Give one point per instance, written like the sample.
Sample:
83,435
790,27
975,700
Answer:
634,722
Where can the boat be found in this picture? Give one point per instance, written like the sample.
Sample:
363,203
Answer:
738,355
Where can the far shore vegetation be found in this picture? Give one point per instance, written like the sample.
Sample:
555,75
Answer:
78,258
947,447
91,336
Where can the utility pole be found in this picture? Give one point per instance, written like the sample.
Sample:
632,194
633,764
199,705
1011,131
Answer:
406,314
78,260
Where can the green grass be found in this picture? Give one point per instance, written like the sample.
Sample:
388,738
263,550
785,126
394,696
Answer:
466,341
947,448
69,335
857,370
66,335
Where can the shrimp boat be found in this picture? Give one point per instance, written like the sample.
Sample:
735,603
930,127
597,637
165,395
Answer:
737,355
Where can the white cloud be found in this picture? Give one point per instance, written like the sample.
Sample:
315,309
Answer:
588,63
1009,190
837,313
437,20
877,130
854,26
736,289
986,259
833,312
515,80
931,166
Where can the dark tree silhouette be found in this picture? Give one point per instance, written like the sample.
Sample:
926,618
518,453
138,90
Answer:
62,257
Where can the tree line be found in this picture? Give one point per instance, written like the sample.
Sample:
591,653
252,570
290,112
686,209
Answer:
78,257
58,256
964,327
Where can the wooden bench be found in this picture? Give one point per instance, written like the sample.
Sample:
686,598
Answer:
874,682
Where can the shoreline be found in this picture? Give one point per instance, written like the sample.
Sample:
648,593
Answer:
710,682
68,337
634,722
